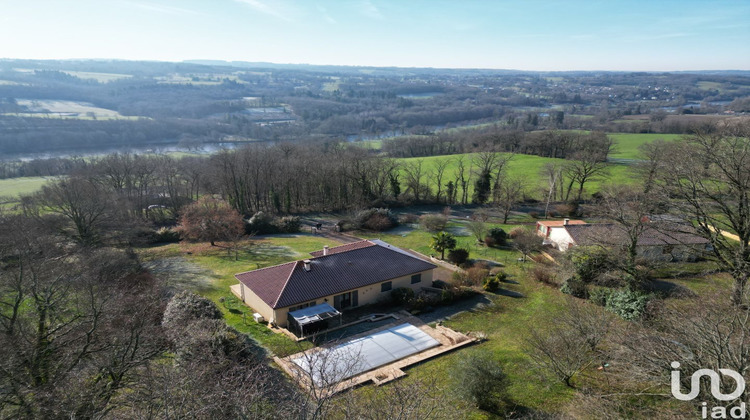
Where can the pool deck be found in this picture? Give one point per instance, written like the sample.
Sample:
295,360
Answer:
449,340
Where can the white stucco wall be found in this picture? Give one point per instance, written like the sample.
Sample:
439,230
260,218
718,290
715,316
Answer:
560,237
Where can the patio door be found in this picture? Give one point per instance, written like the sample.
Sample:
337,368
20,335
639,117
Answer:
346,300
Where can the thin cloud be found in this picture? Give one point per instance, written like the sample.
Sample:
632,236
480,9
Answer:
654,37
267,9
529,36
160,8
370,10
324,12
582,37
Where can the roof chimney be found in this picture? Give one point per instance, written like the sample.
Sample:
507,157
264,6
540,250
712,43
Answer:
308,266
566,221
325,250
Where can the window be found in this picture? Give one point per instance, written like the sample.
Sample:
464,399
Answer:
417,278
387,286
303,306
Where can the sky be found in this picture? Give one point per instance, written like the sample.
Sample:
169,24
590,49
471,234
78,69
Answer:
544,35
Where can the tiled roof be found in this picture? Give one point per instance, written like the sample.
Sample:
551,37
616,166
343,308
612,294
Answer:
289,284
268,282
344,248
610,234
670,234
556,223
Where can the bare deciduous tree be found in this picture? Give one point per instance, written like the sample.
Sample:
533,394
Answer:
508,194
80,200
708,175
566,346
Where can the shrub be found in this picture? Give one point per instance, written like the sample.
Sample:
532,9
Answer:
424,301
479,379
476,275
628,304
288,224
499,236
408,218
574,286
600,295
516,232
591,262
564,210
375,219
460,278
433,222
544,275
379,219
534,214
378,223
167,235
402,295
458,256
491,284
261,224
501,276
186,307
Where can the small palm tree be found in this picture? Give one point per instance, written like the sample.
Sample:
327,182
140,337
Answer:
442,241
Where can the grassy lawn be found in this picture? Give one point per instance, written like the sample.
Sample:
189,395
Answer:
26,185
505,321
221,266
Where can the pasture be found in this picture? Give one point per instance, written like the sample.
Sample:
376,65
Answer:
54,108
525,167
199,79
628,143
13,187
99,77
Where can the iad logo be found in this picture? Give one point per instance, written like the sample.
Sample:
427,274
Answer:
718,412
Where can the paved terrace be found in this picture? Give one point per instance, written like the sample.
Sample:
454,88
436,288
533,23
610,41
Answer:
449,340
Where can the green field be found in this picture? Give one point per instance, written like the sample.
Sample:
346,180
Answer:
705,85
199,79
627,143
14,187
333,85
99,77
53,108
525,167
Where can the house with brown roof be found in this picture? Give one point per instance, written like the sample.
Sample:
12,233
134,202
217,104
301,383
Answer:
343,277
658,240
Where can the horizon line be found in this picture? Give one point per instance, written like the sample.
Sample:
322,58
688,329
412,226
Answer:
229,64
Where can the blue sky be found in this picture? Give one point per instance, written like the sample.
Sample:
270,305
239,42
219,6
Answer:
651,35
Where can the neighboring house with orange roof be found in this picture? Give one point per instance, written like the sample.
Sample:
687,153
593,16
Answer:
659,240
344,277
553,231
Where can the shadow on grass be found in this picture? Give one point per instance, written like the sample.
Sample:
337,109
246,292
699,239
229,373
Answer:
441,313
178,273
509,293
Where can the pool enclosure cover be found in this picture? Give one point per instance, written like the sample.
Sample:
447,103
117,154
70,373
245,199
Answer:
330,366
313,318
